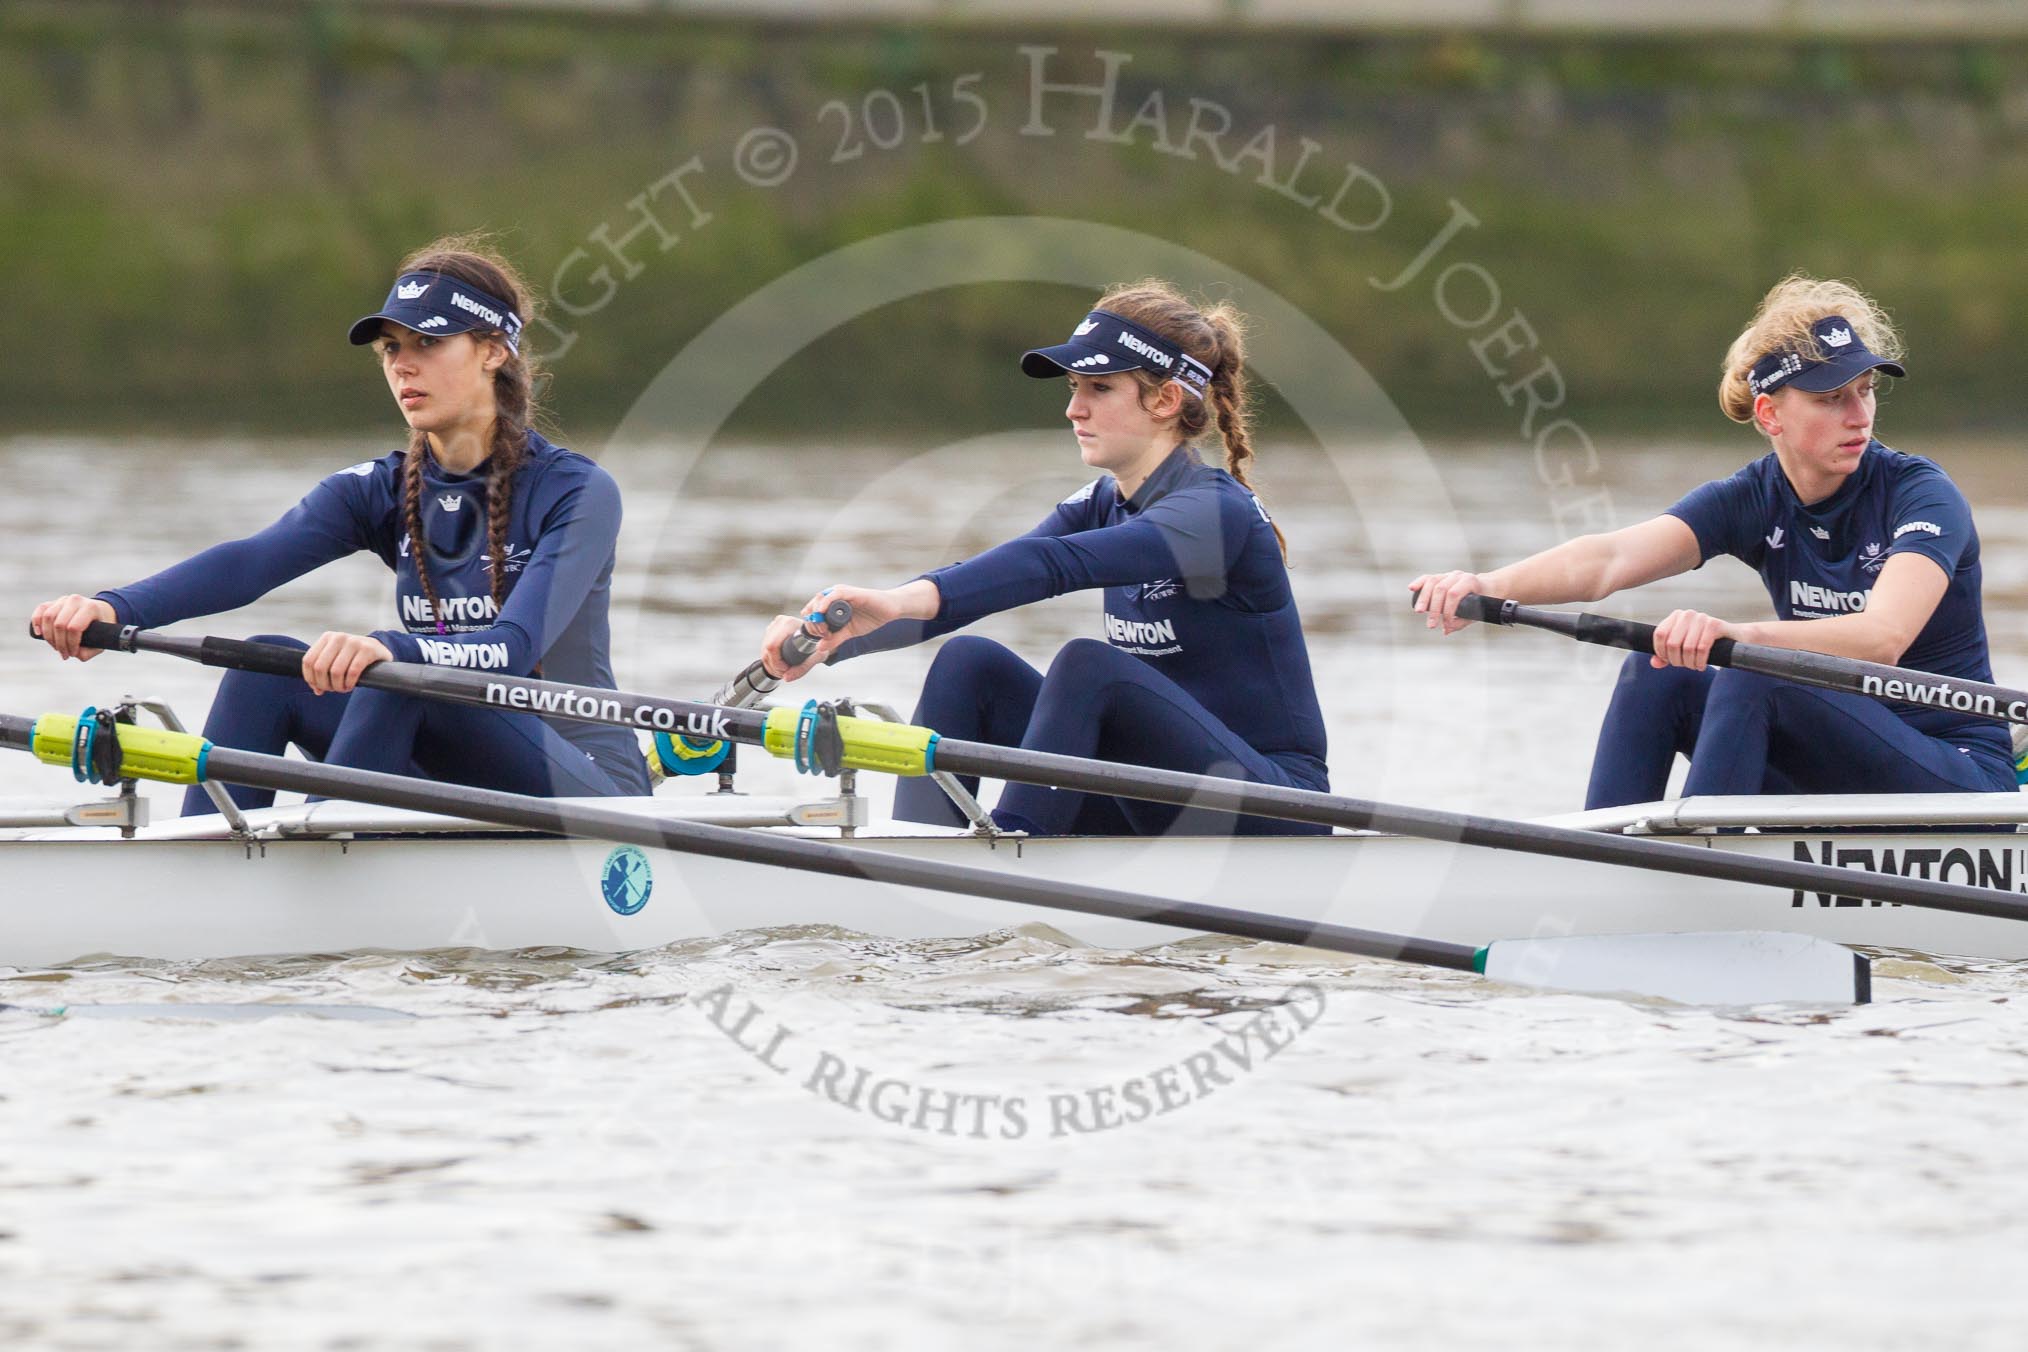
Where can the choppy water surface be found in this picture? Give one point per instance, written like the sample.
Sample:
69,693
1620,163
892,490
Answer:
499,1150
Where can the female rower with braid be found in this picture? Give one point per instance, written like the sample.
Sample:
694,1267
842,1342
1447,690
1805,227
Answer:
1203,667
502,547
1865,552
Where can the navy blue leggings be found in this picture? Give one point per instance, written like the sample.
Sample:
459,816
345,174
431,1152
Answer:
1095,702
1745,733
398,734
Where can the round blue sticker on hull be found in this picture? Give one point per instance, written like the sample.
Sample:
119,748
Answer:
627,879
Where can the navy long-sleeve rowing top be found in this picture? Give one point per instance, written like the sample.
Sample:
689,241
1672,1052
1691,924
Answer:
1194,585
563,526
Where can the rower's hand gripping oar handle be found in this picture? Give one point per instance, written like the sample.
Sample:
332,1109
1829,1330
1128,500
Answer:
100,635
1604,630
753,684
797,647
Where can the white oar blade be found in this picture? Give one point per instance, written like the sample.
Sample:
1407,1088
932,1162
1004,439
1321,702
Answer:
1748,967
235,1012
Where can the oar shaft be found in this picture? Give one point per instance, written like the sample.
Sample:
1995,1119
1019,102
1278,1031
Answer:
1874,680
553,699
725,717
255,770
1325,809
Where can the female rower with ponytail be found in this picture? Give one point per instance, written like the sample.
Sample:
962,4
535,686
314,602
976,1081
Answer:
502,547
1865,552
1203,667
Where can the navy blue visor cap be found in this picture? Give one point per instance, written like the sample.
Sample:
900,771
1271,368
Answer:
1105,342
1848,359
432,303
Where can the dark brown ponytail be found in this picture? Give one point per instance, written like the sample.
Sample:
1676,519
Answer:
1216,337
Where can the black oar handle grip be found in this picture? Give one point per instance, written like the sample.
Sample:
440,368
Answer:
1485,609
99,634
797,647
1604,630
117,637
1636,637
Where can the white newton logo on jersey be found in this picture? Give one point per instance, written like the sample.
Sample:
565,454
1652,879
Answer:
1140,631
417,610
443,653
1810,596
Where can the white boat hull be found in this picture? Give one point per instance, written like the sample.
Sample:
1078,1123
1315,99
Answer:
75,895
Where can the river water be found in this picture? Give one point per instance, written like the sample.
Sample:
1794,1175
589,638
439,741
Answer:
460,1150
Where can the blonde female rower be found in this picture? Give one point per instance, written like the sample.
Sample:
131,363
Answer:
1866,553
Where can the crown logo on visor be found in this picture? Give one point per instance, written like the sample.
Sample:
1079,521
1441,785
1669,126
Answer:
1838,337
411,290
1084,328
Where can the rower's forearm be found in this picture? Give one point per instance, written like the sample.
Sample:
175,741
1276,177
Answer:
1575,570
917,600
1861,637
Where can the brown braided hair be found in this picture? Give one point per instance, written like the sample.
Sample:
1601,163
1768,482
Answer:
473,260
1215,336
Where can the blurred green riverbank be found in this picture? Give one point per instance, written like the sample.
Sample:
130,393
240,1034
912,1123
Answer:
195,200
